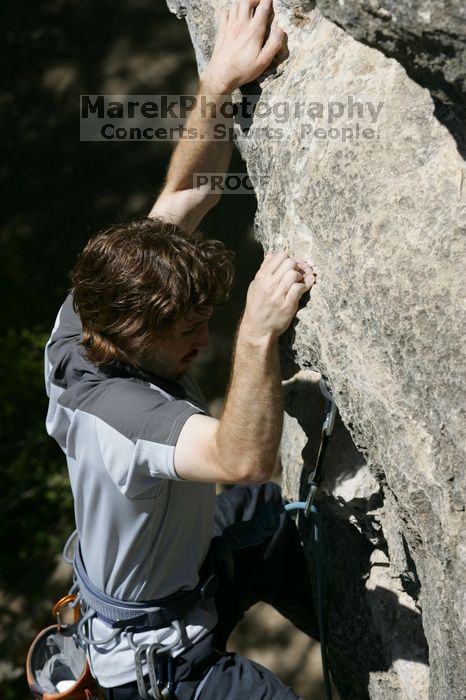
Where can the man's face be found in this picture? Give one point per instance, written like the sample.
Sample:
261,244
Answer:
179,345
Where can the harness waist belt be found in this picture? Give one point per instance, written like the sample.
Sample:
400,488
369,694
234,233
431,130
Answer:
152,614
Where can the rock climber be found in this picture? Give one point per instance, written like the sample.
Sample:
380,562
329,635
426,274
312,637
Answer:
143,453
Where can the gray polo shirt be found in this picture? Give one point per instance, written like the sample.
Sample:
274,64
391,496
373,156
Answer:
144,532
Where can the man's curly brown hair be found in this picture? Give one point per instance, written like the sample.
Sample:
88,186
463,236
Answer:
133,280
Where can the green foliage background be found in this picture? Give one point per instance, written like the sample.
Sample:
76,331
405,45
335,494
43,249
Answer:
36,484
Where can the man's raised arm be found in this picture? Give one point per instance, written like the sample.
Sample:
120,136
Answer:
239,56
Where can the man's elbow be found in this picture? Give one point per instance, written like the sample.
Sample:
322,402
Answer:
241,466
184,207
203,196
210,199
255,472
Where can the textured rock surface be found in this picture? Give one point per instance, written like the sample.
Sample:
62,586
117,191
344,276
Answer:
427,37
383,220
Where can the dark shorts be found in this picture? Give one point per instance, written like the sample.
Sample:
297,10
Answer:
265,562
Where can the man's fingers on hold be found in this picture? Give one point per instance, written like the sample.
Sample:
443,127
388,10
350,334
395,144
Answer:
269,257
305,267
261,15
246,8
276,260
295,293
288,279
233,10
305,263
271,47
285,265
310,280
309,276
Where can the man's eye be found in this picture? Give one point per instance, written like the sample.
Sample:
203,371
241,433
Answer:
188,332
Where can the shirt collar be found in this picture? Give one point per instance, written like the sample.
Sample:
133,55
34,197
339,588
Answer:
119,369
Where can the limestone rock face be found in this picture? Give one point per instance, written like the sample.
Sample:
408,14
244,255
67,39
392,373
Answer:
426,37
368,183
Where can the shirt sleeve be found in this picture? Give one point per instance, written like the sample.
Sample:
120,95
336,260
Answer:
137,430
65,338
67,325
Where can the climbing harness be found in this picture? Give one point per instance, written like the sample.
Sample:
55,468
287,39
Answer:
130,617
310,510
120,614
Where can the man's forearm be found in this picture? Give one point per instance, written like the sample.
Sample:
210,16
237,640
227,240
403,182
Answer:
240,55
249,431
185,200
250,428
211,148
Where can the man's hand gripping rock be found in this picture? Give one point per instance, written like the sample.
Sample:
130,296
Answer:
274,295
240,54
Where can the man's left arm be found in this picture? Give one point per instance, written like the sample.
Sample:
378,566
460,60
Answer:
240,56
180,201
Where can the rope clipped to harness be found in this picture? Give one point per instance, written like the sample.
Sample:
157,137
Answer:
310,510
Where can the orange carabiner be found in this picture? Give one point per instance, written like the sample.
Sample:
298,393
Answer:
66,600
